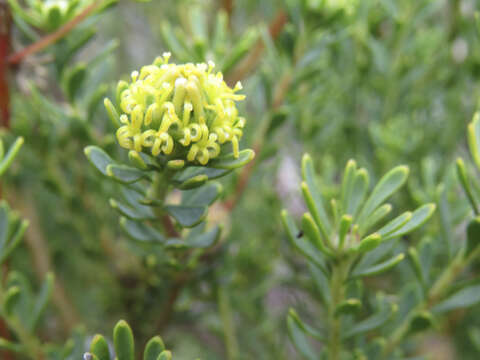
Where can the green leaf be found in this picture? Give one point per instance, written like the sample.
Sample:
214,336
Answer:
474,138
313,234
136,160
369,243
417,267
141,232
375,218
464,298
202,196
98,158
463,177
230,162
11,154
41,301
12,239
473,235
298,241
11,299
385,312
395,224
153,348
99,347
347,185
176,164
195,176
134,213
348,307
74,80
359,192
313,196
307,329
297,336
123,341
379,268
164,355
187,216
205,239
125,174
419,217
387,185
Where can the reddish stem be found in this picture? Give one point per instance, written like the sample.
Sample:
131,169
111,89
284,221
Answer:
5,24
53,37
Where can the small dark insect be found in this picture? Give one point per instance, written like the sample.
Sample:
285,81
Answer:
300,234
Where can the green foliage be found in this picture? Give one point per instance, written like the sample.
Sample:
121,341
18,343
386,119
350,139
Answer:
124,346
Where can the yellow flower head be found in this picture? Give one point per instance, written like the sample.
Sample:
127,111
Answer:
182,111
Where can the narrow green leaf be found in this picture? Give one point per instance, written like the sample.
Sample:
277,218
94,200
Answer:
14,241
387,185
417,267
473,235
297,336
474,138
230,162
112,112
375,218
376,320
134,213
123,341
154,348
99,347
345,223
297,240
41,301
348,307
98,158
464,298
313,196
307,329
203,196
187,216
11,154
369,243
379,268
164,355
359,192
11,299
176,164
136,160
395,224
141,232
74,80
347,185
419,217
313,234
125,174
464,181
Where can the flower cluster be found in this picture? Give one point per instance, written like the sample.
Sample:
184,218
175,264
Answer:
183,111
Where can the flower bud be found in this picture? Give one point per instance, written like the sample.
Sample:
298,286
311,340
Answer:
183,112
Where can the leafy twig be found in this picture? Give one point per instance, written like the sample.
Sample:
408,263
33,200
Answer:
53,37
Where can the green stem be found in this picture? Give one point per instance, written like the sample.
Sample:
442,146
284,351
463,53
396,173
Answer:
231,343
337,287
